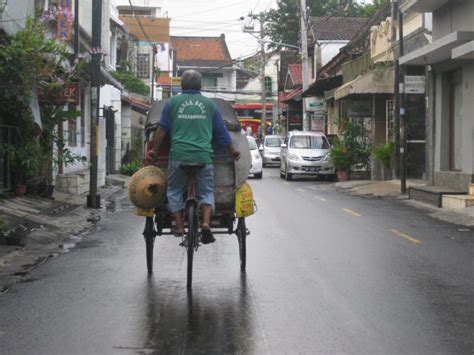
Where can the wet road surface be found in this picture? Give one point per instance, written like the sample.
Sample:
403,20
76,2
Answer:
326,273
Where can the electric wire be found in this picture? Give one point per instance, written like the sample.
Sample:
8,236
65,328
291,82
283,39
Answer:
210,10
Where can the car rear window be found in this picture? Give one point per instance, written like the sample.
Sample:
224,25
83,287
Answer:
273,142
309,142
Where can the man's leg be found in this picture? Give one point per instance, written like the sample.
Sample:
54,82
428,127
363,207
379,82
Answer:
176,186
206,211
205,198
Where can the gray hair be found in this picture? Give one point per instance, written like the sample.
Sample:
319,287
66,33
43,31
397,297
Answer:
191,80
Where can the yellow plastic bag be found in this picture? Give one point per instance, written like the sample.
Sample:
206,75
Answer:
244,203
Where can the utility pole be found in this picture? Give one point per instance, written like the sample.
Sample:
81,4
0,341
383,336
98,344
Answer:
262,73
396,83
93,199
403,138
304,52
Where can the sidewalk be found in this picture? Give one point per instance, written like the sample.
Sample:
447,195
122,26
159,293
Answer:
35,229
391,189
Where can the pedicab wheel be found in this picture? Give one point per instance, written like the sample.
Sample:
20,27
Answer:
149,234
242,238
192,240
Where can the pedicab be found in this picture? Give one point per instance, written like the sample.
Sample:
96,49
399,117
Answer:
233,196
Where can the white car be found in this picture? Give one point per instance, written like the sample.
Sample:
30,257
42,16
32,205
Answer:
257,163
271,149
305,153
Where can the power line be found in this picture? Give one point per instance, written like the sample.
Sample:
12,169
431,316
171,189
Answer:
210,10
140,24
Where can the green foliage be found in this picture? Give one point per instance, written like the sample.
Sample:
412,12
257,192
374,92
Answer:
129,80
131,168
30,60
284,22
341,157
25,160
352,149
384,153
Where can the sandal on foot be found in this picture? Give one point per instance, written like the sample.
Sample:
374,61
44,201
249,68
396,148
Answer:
206,236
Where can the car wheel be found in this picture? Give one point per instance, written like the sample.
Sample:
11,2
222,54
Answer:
259,175
288,176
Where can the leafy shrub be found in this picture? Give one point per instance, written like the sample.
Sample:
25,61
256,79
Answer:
384,153
352,149
340,157
131,82
131,168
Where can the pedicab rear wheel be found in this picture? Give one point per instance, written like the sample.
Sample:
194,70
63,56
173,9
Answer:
192,241
242,238
149,234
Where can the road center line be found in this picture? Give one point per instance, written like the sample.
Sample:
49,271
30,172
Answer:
405,236
351,212
320,198
286,182
301,190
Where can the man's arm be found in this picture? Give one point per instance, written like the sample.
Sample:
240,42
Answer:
160,133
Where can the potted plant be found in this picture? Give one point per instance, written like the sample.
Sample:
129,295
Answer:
384,154
25,162
342,159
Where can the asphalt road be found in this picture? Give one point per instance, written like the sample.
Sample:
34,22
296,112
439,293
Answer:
326,273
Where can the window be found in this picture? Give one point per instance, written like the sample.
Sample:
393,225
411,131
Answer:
143,66
455,120
72,130
210,80
309,142
268,86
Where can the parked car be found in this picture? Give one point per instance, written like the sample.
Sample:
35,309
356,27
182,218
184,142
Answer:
271,149
257,166
305,153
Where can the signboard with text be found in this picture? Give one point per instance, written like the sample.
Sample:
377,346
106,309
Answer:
414,84
65,20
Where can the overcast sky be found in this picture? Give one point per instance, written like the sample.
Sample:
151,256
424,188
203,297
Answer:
213,17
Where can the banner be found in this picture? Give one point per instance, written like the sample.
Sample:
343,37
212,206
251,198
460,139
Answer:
65,20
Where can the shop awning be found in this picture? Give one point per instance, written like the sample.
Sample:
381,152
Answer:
321,85
465,51
374,82
438,51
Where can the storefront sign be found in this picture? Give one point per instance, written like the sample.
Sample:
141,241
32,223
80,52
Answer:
71,94
359,108
315,104
65,20
295,123
414,84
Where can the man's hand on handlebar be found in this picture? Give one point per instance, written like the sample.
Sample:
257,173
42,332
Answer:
234,153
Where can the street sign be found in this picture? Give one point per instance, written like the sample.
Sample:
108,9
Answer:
414,84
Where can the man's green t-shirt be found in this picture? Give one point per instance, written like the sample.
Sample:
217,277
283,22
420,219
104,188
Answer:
191,116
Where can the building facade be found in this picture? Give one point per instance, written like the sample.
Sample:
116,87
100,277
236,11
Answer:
449,63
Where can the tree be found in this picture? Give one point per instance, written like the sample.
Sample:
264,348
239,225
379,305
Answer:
283,23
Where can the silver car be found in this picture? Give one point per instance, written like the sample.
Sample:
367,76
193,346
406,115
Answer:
271,149
305,153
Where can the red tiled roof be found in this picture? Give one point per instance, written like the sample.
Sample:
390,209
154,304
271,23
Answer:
201,51
296,73
287,96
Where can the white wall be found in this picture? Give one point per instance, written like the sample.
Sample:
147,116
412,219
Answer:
329,49
13,17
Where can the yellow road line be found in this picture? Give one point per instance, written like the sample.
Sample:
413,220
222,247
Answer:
406,236
321,198
351,212
301,190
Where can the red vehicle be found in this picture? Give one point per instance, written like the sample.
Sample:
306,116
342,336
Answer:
250,115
